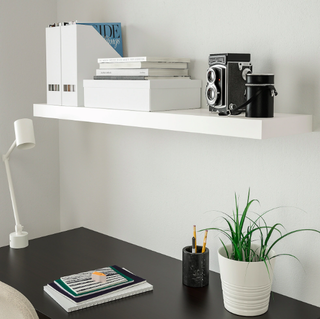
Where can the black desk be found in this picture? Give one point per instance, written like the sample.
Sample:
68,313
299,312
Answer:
51,257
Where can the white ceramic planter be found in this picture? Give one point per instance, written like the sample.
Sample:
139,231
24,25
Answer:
246,286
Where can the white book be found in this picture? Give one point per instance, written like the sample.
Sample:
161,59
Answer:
144,72
144,65
143,58
139,77
70,305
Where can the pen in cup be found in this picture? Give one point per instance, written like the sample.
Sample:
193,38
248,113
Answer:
193,245
195,238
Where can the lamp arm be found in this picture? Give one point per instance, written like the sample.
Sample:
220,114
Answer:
5,158
12,147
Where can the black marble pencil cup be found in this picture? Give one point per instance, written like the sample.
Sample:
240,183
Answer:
195,267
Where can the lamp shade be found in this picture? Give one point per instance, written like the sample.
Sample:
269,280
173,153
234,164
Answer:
23,129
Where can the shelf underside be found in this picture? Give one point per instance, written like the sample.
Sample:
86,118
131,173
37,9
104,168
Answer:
192,121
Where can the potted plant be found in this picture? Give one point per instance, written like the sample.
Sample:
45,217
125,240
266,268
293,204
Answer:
246,263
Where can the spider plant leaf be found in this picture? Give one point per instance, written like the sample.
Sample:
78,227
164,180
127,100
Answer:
290,255
233,242
265,262
219,230
224,233
225,248
290,233
270,232
232,231
244,214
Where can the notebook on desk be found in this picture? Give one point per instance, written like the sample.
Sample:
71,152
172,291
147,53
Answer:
70,300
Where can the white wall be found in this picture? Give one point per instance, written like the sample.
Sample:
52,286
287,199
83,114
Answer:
35,172
149,187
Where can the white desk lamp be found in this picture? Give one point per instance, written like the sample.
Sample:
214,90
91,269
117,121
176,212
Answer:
24,140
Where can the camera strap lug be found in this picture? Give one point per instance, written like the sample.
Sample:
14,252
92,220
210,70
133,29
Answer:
273,91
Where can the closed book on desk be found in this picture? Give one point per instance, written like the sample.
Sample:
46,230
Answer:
71,303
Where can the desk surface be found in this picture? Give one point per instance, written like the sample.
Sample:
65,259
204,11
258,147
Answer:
51,257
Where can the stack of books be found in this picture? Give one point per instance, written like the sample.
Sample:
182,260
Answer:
79,291
142,68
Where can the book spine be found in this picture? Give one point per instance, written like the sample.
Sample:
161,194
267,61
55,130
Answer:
131,72
143,72
144,65
53,65
119,77
128,59
129,77
143,59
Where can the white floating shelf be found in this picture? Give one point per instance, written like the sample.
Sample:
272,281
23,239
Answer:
192,121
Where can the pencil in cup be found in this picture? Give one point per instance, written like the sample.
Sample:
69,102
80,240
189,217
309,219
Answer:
204,241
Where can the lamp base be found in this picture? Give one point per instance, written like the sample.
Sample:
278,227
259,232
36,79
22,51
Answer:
19,240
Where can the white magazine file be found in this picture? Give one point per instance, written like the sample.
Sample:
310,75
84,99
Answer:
72,52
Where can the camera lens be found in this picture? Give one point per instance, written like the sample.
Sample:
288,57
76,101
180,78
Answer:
212,94
211,75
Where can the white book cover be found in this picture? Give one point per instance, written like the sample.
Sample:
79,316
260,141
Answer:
144,65
143,58
70,305
144,72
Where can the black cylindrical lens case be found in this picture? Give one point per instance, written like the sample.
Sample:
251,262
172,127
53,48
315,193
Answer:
259,88
195,267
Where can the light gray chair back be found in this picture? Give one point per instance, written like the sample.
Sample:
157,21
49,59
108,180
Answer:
14,305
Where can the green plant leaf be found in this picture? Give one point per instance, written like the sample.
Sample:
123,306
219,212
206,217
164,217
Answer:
287,234
225,248
242,230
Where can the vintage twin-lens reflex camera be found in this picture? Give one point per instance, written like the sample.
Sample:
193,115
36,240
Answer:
226,79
